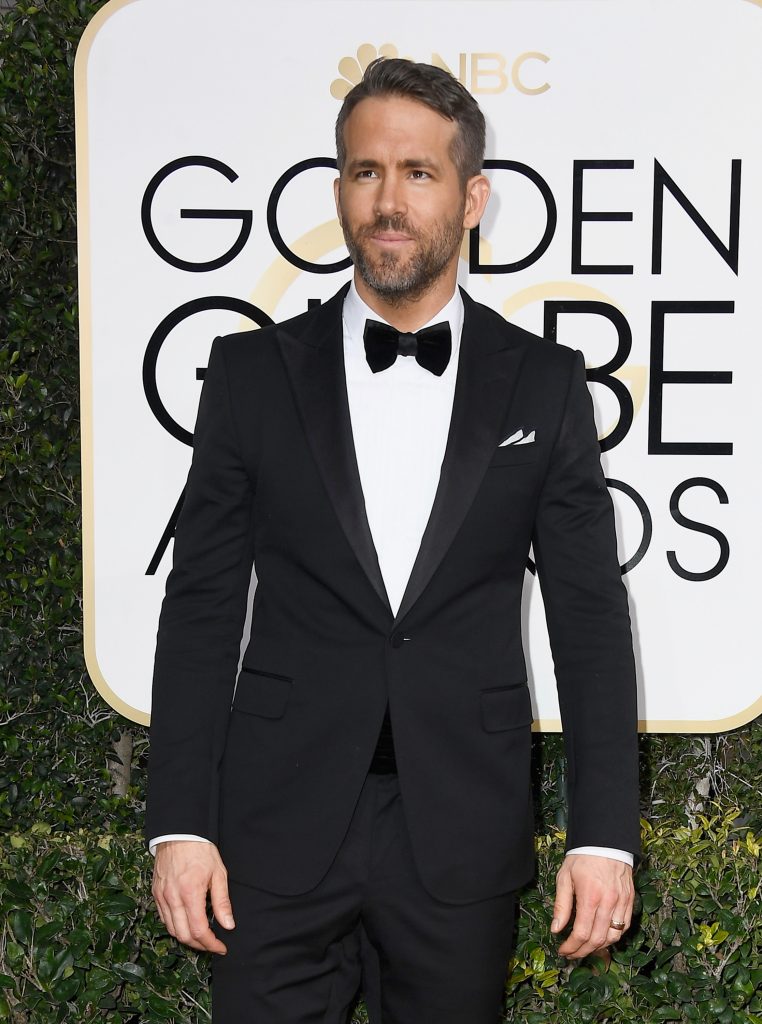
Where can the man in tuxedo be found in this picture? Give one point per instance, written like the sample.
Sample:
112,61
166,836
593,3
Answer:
385,461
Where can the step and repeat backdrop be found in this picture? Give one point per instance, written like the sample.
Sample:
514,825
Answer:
625,157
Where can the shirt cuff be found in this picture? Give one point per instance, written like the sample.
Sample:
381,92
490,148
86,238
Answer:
153,843
604,851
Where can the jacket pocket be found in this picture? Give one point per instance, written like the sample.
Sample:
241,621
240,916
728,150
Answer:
514,455
506,707
262,693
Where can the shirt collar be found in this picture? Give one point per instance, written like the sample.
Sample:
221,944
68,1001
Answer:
356,312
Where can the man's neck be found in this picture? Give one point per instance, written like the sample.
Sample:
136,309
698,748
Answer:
412,315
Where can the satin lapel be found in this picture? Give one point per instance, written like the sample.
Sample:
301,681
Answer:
487,373
314,360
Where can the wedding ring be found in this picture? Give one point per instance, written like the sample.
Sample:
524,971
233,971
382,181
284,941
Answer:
618,925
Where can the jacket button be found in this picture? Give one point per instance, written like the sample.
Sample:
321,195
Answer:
396,639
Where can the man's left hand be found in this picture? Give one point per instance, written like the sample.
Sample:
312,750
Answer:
599,890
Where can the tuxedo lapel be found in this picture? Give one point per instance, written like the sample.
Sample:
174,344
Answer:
487,373
314,360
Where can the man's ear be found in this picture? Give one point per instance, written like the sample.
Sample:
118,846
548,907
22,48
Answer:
337,197
477,194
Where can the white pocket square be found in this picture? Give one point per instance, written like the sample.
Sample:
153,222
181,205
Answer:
519,437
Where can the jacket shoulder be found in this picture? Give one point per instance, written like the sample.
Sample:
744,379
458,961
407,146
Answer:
262,343
538,351
245,348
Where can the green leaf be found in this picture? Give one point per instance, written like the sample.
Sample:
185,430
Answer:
681,895
78,940
717,1007
666,955
651,901
14,951
45,932
67,988
22,926
162,1009
130,971
117,904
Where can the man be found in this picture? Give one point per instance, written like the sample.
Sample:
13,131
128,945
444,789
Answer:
371,781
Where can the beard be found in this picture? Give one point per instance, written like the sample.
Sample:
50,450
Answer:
400,279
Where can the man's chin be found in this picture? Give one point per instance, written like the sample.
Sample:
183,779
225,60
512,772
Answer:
397,295
390,276
389,288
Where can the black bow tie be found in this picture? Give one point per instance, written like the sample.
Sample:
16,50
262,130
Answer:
431,347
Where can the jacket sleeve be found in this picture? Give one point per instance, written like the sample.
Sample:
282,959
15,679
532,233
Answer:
589,626
201,621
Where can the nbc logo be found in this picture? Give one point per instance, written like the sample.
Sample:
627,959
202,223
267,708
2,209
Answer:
481,73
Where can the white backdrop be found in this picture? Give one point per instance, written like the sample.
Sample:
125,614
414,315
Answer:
626,164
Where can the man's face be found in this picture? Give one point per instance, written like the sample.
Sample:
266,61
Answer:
400,201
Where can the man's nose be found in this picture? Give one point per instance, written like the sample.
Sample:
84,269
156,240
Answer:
390,199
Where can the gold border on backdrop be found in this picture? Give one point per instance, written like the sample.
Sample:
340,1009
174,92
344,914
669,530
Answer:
276,281
86,359
647,725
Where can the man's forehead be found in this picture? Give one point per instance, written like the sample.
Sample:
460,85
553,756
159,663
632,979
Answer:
398,111
385,123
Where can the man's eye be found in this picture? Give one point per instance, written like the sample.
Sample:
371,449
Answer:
419,175
366,174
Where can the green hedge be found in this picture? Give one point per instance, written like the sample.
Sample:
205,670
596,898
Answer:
78,903
82,943
55,730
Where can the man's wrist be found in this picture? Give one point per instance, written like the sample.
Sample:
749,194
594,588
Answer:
604,851
172,837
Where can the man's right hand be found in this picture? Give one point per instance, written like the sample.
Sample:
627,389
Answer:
184,871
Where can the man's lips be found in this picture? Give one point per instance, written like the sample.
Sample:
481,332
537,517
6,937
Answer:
392,238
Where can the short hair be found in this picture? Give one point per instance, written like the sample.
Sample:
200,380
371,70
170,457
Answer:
436,89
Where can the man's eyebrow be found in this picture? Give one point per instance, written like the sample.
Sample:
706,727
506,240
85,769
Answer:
422,163
358,165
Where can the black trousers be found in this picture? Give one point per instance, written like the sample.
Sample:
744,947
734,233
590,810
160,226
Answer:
301,959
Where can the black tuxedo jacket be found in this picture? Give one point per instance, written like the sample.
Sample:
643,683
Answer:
273,779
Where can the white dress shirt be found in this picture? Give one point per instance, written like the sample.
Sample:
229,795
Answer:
400,421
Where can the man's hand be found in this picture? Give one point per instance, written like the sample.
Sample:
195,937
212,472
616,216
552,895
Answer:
600,890
184,871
